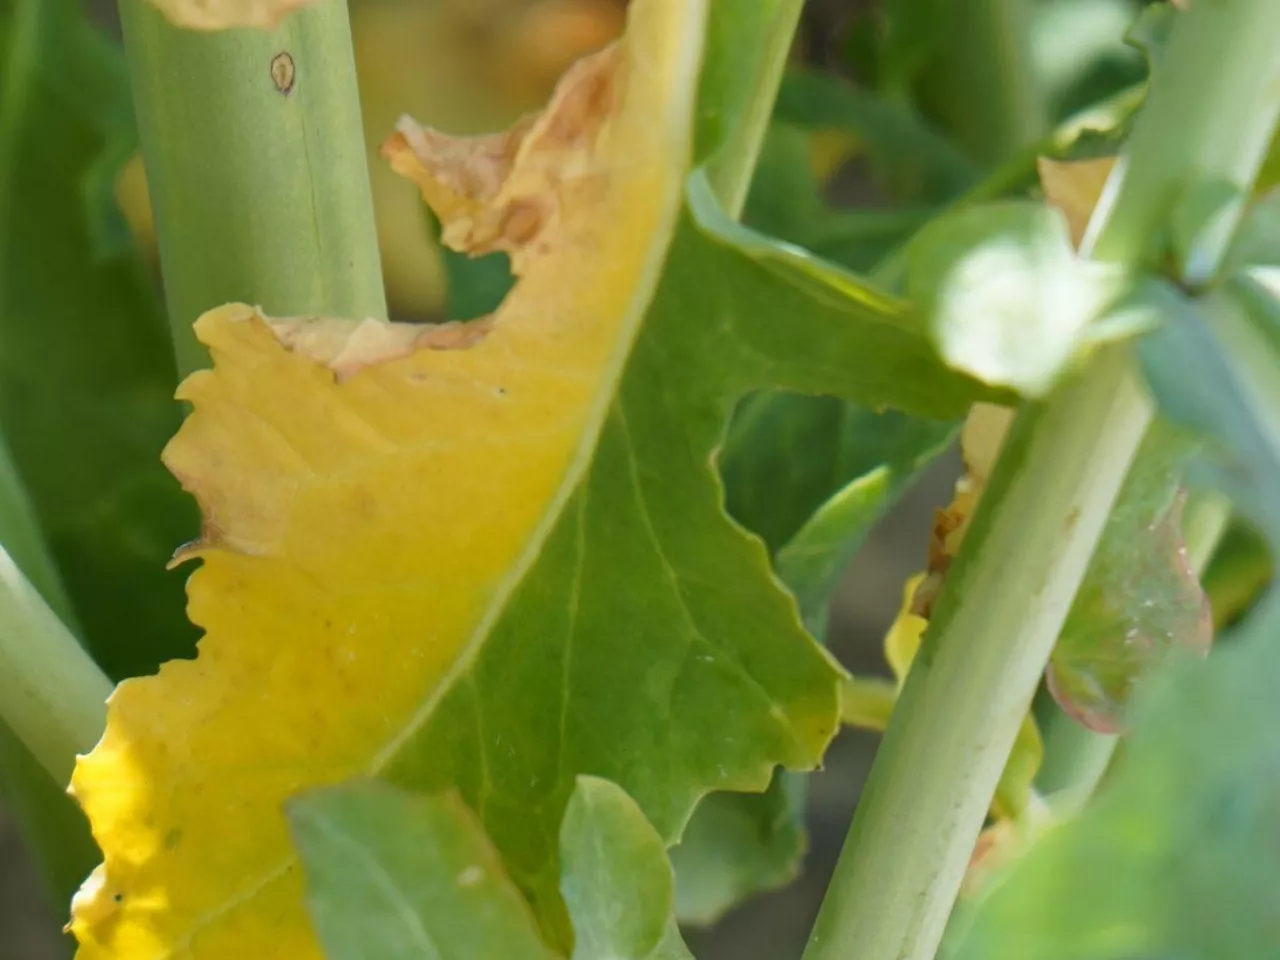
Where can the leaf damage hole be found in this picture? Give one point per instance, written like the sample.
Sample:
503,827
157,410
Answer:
284,73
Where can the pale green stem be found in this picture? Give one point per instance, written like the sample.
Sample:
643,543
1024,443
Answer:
256,164
1009,591
730,172
52,695
969,687
49,820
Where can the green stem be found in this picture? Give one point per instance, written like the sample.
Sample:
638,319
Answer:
730,173
1009,591
969,688
52,695
49,820
1209,116
256,165
983,84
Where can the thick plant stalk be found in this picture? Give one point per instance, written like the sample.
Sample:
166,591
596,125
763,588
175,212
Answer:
969,687
257,167
1210,116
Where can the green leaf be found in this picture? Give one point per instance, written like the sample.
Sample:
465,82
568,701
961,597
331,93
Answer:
914,34
789,462
86,367
1238,574
1257,241
810,475
785,455
1203,222
1176,857
1009,299
616,879
649,504
1214,368
813,559
474,286
912,160
1150,32
736,845
863,239
785,200
396,875
1140,600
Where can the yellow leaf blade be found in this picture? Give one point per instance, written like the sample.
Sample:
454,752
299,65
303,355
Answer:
322,453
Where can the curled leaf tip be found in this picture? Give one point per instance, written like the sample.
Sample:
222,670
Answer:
506,191
226,14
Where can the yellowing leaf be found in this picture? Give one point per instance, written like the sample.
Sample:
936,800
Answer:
1074,186
439,473
902,642
225,14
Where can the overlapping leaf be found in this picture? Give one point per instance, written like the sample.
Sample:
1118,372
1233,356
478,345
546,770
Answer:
1231,340
491,558
1177,857
1141,596
396,876
810,475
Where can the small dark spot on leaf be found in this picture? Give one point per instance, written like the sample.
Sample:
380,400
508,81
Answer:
118,898
1072,518
172,839
283,72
